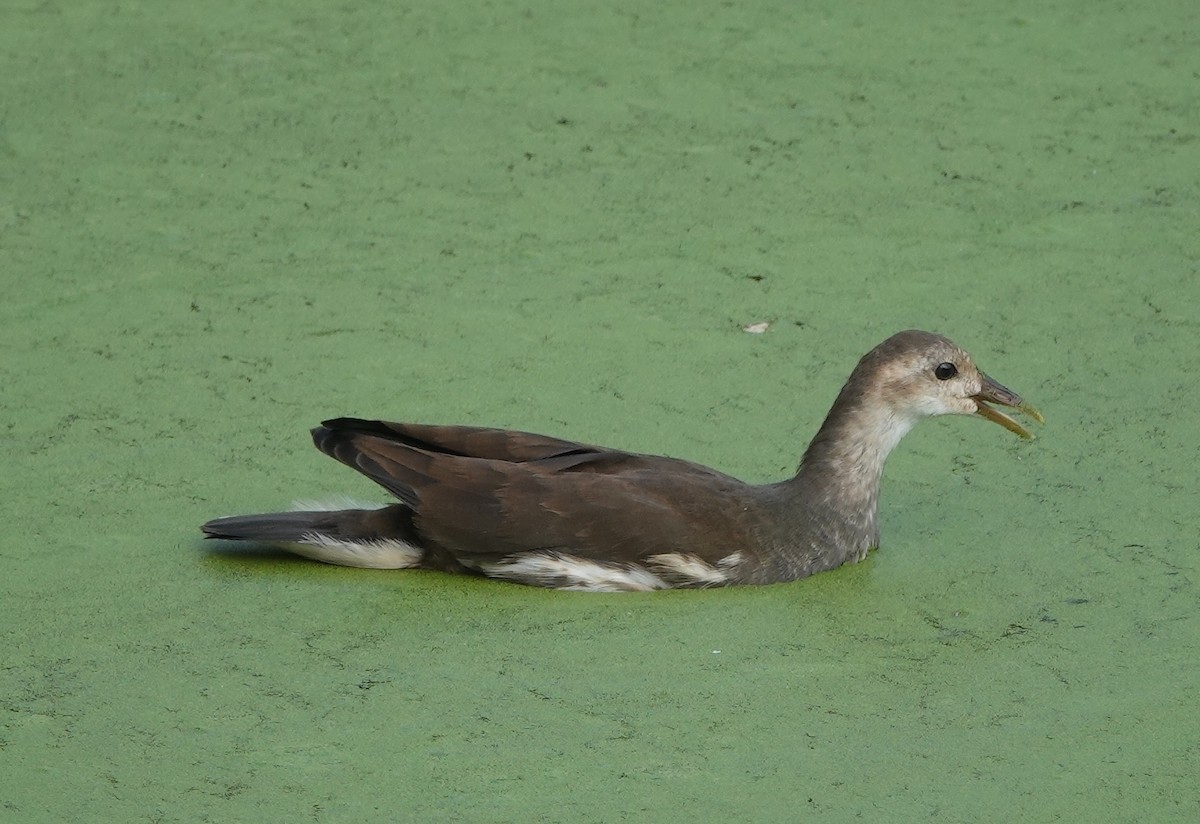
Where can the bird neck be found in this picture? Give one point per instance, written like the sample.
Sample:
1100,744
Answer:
840,472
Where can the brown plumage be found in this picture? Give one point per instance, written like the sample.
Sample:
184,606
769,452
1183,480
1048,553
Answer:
556,513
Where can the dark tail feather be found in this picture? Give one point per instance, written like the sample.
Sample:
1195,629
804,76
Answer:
375,538
385,523
274,526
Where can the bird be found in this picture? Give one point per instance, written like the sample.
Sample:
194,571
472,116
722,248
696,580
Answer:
548,512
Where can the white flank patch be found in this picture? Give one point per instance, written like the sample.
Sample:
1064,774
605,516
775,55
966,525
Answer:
558,571
333,504
376,553
686,570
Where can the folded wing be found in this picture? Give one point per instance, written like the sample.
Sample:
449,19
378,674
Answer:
485,493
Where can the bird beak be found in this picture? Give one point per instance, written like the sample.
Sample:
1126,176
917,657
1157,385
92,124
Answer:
993,392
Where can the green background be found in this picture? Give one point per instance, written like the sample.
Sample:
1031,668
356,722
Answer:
221,223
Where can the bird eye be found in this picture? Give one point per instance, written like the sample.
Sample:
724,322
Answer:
945,371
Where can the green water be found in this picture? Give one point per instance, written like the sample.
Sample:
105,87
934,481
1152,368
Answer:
221,223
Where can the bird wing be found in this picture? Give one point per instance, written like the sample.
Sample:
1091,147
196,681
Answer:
489,492
466,441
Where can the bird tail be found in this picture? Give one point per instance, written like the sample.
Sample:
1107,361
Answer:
379,538
271,527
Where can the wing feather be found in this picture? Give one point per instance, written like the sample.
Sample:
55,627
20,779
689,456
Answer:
487,493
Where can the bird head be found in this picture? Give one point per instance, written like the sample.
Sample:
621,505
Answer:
921,374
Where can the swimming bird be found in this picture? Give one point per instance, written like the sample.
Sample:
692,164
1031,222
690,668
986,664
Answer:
555,513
